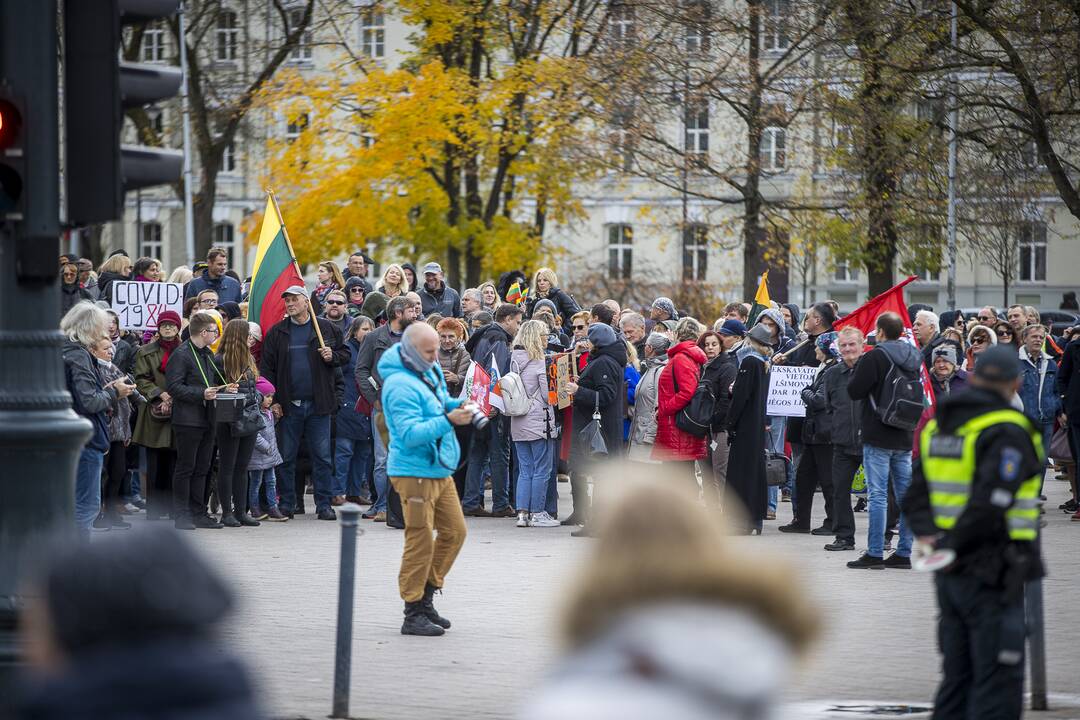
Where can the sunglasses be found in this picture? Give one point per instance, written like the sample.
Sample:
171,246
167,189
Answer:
579,327
357,291
979,341
335,302
1003,333
985,317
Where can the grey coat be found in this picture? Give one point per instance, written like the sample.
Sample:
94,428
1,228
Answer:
265,455
643,426
539,422
119,412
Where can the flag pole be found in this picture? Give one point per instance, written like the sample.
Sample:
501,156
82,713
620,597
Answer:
292,254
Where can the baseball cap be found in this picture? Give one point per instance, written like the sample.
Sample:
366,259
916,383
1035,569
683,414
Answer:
432,267
734,327
295,290
998,364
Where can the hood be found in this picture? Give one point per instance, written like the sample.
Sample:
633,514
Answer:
902,353
416,281
716,655
948,318
989,331
355,281
374,304
493,333
956,409
689,348
73,350
616,351
796,318
776,317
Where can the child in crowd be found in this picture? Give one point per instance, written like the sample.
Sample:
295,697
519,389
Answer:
263,461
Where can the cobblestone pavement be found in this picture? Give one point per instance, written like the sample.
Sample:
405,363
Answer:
503,596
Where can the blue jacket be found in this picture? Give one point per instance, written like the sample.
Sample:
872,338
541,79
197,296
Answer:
1042,406
422,440
227,289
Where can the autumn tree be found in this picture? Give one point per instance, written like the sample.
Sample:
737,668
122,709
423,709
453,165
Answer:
463,153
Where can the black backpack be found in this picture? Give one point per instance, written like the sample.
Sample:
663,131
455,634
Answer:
696,417
899,403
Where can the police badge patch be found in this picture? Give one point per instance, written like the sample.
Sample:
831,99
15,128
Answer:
1009,469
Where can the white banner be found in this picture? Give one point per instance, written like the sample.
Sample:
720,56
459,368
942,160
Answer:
785,384
138,304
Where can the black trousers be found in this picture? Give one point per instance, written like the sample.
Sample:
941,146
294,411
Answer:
815,468
194,449
113,478
845,463
160,465
976,622
234,456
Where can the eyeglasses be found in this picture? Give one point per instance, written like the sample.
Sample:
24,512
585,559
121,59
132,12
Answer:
579,327
209,302
335,302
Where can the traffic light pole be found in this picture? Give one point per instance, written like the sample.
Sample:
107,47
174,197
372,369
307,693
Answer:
40,436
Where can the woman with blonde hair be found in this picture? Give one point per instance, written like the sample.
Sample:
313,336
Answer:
393,282
117,267
532,432
181,275
489,296
236,444
667,619
545,285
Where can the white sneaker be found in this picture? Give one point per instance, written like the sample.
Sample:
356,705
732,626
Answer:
542,519
523,519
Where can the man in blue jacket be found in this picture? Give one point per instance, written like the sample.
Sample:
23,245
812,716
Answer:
214,278
421,459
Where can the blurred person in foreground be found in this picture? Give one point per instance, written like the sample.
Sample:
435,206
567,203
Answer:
121,628
668,620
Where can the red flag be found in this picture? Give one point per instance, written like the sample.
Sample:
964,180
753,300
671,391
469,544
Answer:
865,319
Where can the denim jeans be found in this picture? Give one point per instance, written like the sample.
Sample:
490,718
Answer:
534,470
301,421
258,478
494,443
551,499
350,466
775,443
88,487
881,466
382,482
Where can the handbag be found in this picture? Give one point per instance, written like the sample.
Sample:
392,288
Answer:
776,468
1060,452
592,434
250,419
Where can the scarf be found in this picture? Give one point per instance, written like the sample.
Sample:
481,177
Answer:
167,346
411,359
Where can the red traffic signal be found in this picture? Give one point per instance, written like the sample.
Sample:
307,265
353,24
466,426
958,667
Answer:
10,124
12,161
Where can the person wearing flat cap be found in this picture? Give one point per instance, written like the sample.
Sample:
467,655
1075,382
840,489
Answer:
304,369
975,492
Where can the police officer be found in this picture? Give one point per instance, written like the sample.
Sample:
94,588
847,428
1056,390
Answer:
975,492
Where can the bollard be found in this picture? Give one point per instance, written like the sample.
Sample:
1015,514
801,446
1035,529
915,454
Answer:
349,514
1036,628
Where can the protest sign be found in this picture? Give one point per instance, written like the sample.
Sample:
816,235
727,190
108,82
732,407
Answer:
558,374
477,388
785,384
139,304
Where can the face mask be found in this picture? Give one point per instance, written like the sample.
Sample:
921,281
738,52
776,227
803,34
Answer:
412,359
103,363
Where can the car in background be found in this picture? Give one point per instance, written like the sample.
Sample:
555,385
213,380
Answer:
1059,320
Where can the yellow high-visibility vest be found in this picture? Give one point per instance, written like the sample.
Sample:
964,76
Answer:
948,463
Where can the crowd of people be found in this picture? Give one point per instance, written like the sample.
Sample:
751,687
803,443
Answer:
212,421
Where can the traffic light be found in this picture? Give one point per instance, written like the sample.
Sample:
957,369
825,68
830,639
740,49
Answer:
12,157
98,87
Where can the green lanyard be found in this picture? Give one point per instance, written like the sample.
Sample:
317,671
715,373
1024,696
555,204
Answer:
203,372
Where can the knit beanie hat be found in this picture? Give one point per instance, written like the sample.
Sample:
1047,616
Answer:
169,316
601,335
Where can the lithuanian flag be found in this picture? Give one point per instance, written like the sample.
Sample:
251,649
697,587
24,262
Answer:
761,300
275,270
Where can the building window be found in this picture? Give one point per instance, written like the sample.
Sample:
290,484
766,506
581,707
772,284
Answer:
296,126
301,52
367,140
150,240
620,251
696,120
373,33
227,36
1032,245
622,23
153,43
156,116
224,238
697,27
843,139
1029,155
845,272
774,22
228,158
695,252
773,149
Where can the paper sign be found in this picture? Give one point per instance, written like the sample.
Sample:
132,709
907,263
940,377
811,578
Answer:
558,374
785,384
139,304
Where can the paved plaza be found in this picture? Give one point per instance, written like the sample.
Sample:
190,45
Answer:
504,596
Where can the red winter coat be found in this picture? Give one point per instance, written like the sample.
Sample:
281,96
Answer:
684,366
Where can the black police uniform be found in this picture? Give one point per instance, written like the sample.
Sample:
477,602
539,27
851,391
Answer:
981,595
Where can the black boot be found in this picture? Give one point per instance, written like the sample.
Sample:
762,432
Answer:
417,623
429,607
579,490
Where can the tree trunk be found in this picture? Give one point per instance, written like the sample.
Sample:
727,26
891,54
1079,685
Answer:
203,212
474,211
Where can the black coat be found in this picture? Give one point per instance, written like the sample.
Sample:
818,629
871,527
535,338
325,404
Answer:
602,379
868,381
71,295
746,434
817,426
488,343
845,414
720,374
565,304
125,352
325,378
371,350
186,383
1068,381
